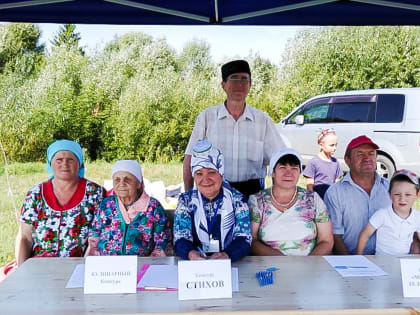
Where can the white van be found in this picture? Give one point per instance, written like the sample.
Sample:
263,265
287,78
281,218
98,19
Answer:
390,117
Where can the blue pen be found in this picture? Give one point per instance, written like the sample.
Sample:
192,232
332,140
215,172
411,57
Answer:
350,267
202,253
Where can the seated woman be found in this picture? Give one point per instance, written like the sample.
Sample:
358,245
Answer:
286,219
56,214
129,222
211,219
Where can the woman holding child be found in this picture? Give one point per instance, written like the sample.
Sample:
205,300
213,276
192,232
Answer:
287,219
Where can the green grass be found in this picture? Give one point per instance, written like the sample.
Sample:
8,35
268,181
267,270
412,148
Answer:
23,176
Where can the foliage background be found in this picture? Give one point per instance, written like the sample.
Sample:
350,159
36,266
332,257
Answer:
138,98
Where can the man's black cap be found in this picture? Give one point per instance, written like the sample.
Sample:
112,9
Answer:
235,66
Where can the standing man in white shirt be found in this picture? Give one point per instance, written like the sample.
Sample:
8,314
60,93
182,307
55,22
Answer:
246,136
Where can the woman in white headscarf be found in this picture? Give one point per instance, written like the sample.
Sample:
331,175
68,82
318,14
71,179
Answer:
287,219
212,218
130,222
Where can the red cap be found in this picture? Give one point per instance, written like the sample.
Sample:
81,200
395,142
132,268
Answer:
356,142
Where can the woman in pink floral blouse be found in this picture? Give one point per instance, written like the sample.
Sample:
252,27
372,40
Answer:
56,214
130,222
287,219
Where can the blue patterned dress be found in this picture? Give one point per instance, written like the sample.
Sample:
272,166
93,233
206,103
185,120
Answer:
238,238
148,231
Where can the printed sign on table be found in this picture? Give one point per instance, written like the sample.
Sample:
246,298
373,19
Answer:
110,274
204,279
410,274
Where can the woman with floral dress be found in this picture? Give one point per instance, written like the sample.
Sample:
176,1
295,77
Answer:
56,214
286,219
130,222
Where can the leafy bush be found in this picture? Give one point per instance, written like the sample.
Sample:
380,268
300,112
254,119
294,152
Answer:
137,98
347,58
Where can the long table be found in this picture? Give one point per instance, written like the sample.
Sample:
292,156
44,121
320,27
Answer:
303,285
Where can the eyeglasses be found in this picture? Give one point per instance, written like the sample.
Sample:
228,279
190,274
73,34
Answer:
235,79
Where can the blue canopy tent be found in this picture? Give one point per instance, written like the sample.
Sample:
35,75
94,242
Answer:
204,12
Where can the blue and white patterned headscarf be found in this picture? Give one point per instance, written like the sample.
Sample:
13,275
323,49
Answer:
65,145
205,155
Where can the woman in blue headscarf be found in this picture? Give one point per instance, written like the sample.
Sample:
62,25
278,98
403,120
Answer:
56,214
211,219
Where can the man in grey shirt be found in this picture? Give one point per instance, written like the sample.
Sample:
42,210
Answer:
354,199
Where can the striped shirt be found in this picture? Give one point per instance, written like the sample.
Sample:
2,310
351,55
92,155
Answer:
246,143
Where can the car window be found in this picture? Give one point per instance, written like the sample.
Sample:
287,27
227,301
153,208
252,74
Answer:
291,119
315,114
353,112
390,108
316,109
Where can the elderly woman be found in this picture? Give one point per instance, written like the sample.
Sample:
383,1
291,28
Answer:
129,222
286,219
211,219
56,214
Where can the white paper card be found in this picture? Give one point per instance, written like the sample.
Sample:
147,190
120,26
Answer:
77,277
204,279
410,274
160,276
166,276
354,266
110,274
235,279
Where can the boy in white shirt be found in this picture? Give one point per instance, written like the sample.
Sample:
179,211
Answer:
395,225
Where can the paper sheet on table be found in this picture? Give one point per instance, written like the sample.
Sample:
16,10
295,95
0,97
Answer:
77,278
235,279
354,266
165,277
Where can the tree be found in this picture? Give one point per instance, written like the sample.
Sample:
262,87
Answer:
331,59
156,104
19,48
67,36
195,60
54,105
264,92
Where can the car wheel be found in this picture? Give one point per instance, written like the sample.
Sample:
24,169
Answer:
384,166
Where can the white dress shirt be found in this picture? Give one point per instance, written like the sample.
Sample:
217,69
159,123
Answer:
246,143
